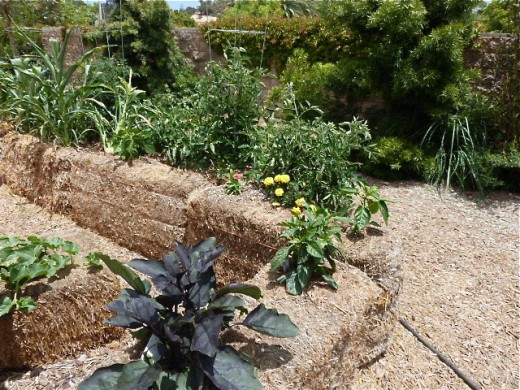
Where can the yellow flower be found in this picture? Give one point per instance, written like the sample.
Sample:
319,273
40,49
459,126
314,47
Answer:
268,181
296,211
276,204
278,192
300,202
313,208
285,179
278,178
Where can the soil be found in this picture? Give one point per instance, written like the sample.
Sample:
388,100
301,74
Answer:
461,290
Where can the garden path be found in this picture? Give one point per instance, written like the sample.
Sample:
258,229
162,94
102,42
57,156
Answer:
460,291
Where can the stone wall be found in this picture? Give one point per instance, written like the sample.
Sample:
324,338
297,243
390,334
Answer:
496,55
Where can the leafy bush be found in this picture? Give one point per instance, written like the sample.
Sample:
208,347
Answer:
25,260
182,325
311,249
315,154
147,43
395,158
43,99
321,41
214,125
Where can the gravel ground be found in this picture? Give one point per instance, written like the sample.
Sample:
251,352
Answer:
461,292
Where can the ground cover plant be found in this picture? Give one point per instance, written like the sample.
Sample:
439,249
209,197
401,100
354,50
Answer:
181,327
25,260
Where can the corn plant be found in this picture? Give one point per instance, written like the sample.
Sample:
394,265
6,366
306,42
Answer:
43,99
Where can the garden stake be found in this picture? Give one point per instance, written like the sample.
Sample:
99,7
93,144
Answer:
443,358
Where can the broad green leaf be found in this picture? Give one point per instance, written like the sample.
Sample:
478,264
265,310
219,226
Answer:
373,206
228,370
240,288
330,280
362,216
280,257
129,276
314,250
304,273
135,375
269,321
6,304
103,378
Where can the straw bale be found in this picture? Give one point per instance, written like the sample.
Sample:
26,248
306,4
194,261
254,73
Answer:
68,319
246,225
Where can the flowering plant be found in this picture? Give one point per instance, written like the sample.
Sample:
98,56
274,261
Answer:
311,250
277,187
235,183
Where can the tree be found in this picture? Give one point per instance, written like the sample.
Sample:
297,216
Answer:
147,44
410,52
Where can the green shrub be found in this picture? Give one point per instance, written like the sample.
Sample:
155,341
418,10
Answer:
182,326
316,155
395,158
215,123
312,34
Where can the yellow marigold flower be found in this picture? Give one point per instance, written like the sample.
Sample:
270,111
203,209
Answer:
278,192
278,178
296,211
276,204
300,202
313,208
268,181
285,179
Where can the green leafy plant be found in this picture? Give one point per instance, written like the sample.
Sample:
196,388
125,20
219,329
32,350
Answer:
181,326
213,126
131,131
276,187
25,260
311,250
235,183
311,152
43,98
366,201
456,154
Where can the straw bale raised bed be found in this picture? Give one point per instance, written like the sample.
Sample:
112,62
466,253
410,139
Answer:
147,205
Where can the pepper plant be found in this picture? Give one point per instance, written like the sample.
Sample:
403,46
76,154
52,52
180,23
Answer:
311,248
182,325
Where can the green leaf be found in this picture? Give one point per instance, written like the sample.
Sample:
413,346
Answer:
384,211
292,284
304,272
122,270
314,250
25,304
6,304
103,378
94,261
280,257
205,337
240,288
362,216
228,370
373,206
330,280
269,321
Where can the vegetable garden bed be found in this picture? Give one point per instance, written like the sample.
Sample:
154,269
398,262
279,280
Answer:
146,206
